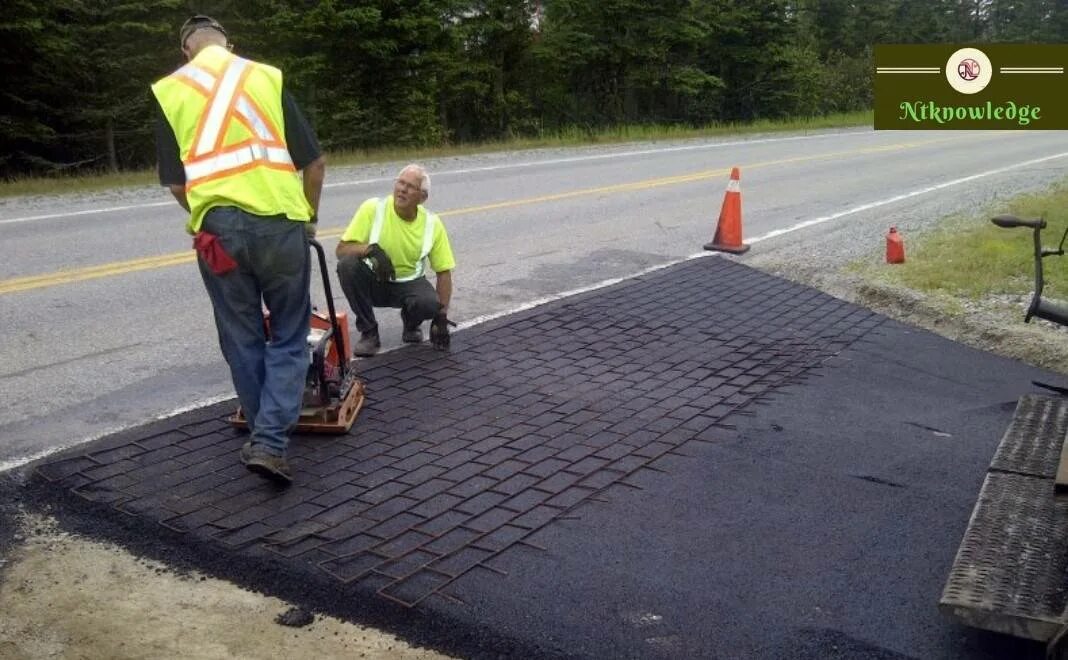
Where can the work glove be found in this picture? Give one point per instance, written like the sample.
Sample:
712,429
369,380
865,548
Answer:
311,227
439,331
380,263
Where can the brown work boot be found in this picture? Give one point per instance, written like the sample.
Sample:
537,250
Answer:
368,344
266,464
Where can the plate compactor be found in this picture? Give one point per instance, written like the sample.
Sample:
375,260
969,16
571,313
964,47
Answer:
332,393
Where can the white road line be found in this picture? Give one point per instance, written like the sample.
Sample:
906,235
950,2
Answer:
469,170
71,214
898,198
18,462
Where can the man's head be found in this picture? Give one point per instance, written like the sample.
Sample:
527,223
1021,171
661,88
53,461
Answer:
201,31
411,189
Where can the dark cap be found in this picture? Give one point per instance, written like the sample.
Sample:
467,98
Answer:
199,22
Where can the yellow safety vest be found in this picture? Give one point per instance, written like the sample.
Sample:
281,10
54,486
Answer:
225,112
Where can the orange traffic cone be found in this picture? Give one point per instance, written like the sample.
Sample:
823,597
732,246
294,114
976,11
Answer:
728,236
895,247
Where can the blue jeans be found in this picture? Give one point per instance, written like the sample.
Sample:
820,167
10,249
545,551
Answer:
273,266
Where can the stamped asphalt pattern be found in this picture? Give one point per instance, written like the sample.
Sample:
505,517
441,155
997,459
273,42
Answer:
705,461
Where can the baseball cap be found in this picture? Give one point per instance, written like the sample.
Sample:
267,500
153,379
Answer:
199,22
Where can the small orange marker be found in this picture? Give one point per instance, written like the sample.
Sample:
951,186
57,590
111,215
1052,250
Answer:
895,247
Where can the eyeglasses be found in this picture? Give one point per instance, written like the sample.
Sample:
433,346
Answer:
408,187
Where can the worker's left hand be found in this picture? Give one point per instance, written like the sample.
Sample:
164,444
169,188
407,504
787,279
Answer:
382,265
439,331
311,227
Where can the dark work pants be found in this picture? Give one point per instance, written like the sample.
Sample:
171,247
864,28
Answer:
417,299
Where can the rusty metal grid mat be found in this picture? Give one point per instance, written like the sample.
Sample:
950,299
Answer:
1009,575
1032,443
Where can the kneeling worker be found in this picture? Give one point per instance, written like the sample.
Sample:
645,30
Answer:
381,263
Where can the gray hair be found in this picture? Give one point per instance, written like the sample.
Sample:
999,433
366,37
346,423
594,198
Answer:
424,177
205,36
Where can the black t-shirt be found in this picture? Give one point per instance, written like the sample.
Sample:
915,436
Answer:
300,138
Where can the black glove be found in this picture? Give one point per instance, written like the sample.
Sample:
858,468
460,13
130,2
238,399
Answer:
380,263
439,331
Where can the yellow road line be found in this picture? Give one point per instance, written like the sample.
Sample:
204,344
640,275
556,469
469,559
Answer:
178,258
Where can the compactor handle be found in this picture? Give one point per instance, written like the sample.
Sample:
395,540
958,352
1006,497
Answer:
1009,221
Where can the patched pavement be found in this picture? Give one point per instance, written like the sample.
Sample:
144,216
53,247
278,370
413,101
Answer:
703,461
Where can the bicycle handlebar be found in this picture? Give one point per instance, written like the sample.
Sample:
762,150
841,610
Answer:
1039,307
1009,221
1048,311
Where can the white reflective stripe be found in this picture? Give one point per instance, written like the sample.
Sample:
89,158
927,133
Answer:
428,234
252,117
380,217
220,103
204,79
229,160
376,227
734,186
428,238
428,243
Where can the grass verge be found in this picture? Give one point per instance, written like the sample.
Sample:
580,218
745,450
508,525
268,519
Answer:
972,281
970,259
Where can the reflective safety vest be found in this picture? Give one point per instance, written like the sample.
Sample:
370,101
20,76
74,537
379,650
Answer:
225,112
428,238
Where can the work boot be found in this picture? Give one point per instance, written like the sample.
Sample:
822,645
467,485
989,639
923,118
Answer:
412,335
368,344
266,464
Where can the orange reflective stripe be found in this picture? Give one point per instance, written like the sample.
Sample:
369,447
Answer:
233,147
191,83
238,170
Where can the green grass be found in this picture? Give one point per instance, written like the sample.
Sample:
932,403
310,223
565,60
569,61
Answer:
971,258
565,138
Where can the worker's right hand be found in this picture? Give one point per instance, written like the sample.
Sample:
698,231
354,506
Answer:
439,331
381,263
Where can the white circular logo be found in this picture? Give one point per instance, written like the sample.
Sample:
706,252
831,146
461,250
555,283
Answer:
969,70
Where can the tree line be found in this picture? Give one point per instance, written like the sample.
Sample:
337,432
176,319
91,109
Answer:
374,73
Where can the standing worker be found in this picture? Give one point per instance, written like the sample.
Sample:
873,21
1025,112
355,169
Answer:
381,263
225,161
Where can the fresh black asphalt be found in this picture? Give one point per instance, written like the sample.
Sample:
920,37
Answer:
705,461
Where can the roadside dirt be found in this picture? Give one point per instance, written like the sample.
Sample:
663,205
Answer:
62,596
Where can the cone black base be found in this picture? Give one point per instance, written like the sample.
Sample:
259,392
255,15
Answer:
733,249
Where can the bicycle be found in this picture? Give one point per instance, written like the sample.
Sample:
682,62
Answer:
1056,313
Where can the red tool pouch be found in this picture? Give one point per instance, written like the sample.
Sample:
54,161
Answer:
213,253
